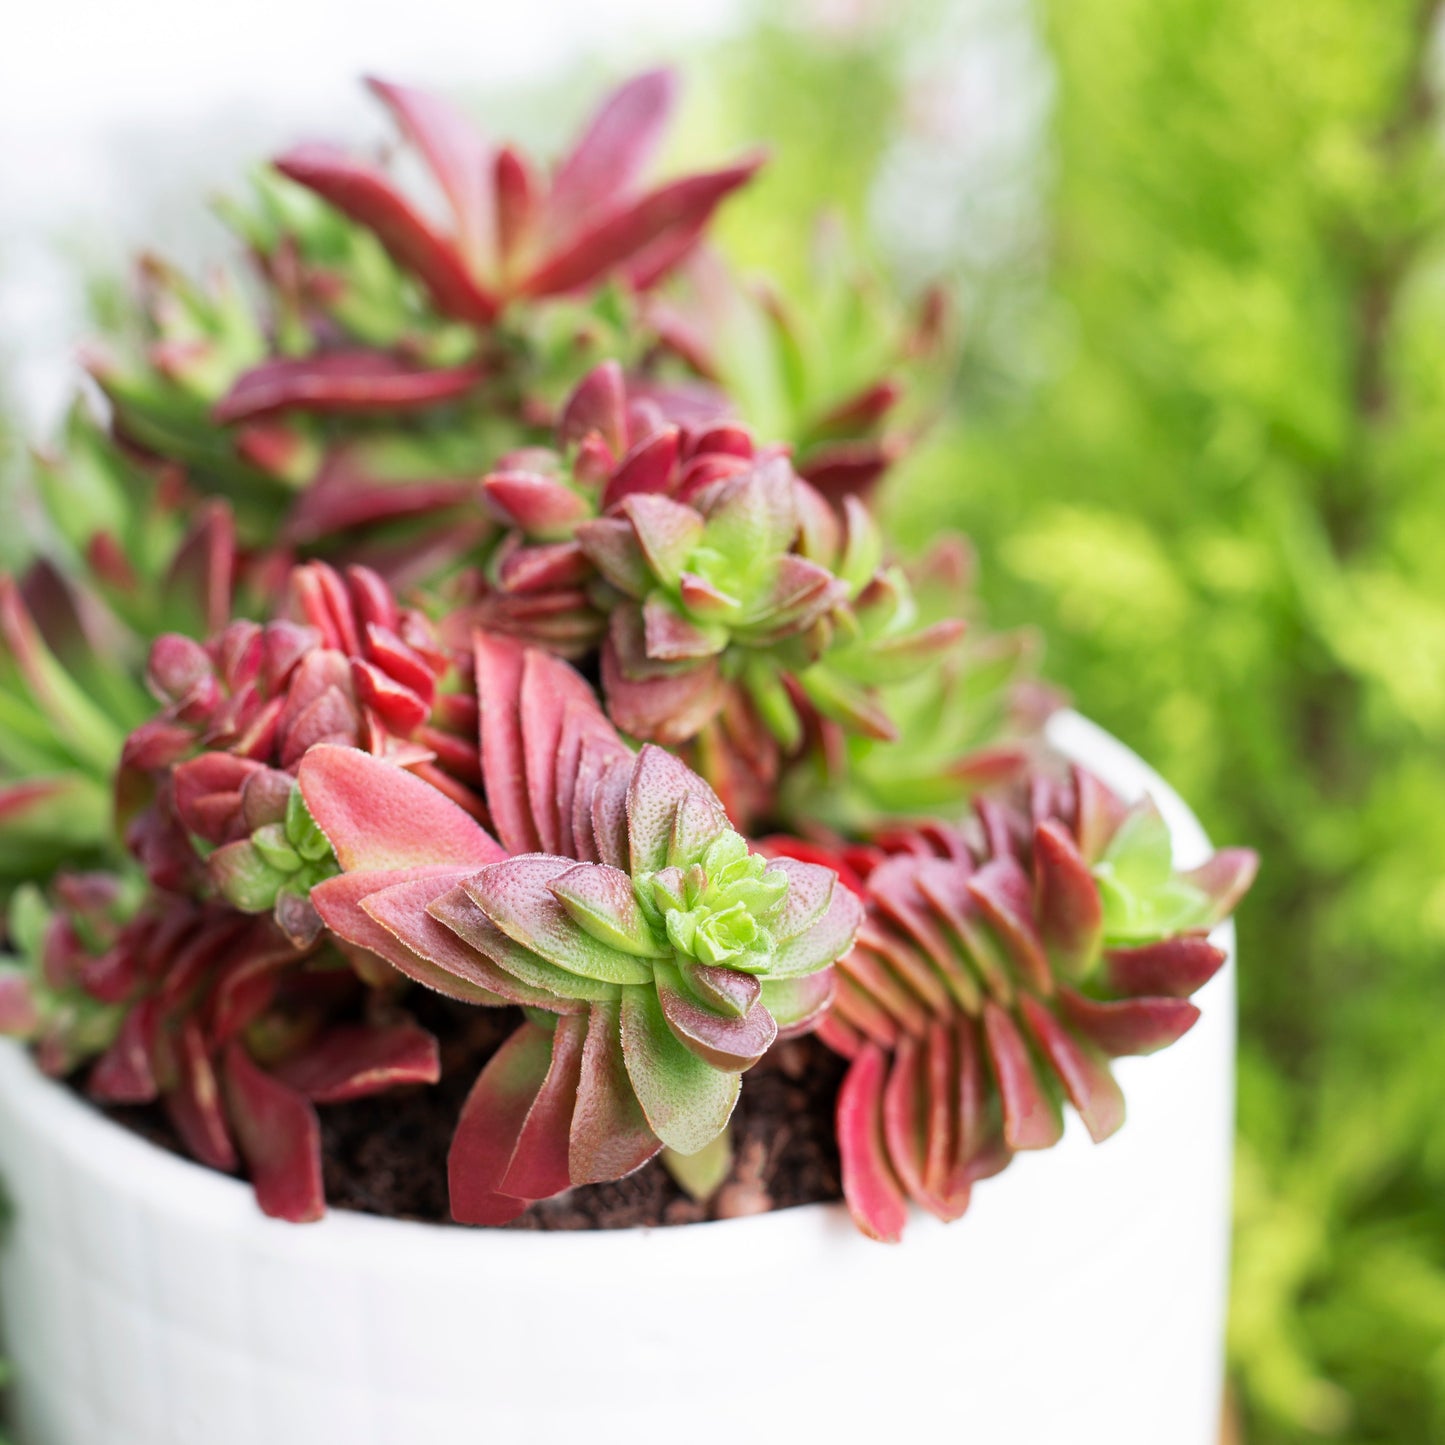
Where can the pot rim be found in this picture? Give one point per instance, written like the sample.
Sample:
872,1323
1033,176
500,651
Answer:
146,1171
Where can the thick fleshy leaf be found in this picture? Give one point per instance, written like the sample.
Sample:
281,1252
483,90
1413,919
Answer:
198,583
701,1175
402,932
499,665
538,1167
612,545
608,813
544,508
944,884
517,897
280,1140
589,745
610,1133
366,196
893,976
723,989
376,815
823,941
670,637
459,157
658,785
896,887
981,1149
411,935
601,901
797,1004
551,987
1131,1025
1070,913
667,532
870,1187
664,709
1098,813
614,150
353,1061
698,823
1086,1078
1224,880
549,690
676,209
340,382
125,1073
726,1041
598,404
1030,1117
649,467
1001,889
755,514
1173,968
491,1121
193,1102
917,1127
687,1102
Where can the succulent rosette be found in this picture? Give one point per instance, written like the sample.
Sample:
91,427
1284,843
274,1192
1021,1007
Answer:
756,587
208,784
997,973
614,439
658,956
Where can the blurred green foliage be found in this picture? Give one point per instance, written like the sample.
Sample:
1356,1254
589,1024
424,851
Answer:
1222,497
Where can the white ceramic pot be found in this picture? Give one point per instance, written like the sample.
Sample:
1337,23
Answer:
146,1301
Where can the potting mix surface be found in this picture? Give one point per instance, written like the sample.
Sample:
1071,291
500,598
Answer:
387,1155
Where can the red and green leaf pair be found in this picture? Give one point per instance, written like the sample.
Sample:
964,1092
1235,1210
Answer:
997,974
667,954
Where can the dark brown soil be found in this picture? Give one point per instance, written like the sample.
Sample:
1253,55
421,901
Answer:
387,1155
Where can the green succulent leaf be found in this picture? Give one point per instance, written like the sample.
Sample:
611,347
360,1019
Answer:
687,1102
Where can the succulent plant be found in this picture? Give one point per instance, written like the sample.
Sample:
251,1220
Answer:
838,370
994,978
518,236
565,435
207,785
349,409
211,1013
123,563
657,954
614,439
53,941
755,586
970,722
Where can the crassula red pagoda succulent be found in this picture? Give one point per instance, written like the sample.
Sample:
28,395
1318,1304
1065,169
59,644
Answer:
485,609
1000,968
620,900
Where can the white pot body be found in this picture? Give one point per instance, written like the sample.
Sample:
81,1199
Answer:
146,1301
